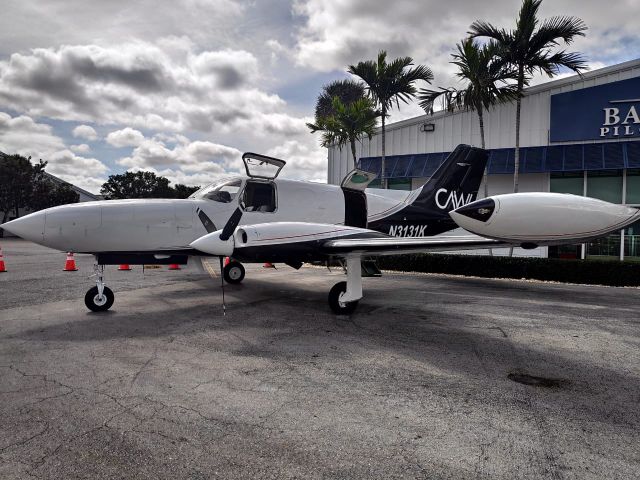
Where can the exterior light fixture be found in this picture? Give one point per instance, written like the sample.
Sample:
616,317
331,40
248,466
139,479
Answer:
427,127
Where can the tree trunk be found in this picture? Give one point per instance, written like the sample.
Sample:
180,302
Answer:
485,174
516,160
383,179
353,151
486,167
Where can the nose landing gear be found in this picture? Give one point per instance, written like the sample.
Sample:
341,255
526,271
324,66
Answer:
233,272
99,298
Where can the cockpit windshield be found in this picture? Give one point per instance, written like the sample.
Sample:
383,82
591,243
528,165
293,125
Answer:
223,192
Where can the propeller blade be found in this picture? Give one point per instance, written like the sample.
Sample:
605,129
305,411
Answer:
231,225
208,225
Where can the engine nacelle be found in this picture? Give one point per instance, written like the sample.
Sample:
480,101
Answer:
537,218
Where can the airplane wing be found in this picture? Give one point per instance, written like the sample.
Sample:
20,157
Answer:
402,245
291,239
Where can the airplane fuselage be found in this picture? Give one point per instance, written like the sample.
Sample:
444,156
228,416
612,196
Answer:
157,225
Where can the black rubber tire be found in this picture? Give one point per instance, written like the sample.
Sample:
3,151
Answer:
338,308
90,299
231,272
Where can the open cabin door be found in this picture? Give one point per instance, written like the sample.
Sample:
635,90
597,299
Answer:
261,166
355,199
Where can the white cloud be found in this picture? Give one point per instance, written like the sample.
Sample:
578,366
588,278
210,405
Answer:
139,85
81,148
22,135
304,160
85,131
336,34
127,137
186,156
65,162
230,69
49,23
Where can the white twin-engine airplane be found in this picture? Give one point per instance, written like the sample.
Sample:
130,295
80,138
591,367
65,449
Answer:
261,219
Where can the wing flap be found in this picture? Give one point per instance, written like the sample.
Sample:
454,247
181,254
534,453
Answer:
400,245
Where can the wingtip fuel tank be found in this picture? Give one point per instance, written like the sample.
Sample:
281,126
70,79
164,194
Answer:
543,218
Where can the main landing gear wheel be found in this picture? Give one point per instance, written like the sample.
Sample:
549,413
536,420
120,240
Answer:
97,303
233,272
338,307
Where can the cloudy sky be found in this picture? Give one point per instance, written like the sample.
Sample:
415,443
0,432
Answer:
182,88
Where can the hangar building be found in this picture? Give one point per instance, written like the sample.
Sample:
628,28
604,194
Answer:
579,134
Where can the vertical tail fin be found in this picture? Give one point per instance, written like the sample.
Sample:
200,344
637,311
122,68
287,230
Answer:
455,183
426,211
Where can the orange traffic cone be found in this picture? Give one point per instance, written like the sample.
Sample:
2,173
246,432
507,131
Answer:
2,269
174,266
70,264
124,267
268,265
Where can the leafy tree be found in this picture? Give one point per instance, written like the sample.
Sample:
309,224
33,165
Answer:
487,80
47,194
347,91
25,185
17,175
136,185
529,48
183,191
388,83
348,123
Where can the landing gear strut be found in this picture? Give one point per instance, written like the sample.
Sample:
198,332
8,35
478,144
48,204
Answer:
344,296
99,298
233,272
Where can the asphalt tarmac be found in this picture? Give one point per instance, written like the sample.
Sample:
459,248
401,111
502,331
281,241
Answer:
423,381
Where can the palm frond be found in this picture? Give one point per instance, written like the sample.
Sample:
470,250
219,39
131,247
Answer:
555,28
527,20
481,28
551,64
427,99
389,83
348,91
349,122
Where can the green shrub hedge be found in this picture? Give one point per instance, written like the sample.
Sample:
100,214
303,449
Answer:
596,272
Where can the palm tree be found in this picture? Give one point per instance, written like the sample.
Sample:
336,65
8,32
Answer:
529,48
348,123
346,90
388,83
487,80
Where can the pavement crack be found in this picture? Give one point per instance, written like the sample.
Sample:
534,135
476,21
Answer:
145,365
27,440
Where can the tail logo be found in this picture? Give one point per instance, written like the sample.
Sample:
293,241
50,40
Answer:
446,200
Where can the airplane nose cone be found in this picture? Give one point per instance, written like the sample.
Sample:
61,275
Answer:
30,227
480,210
212,244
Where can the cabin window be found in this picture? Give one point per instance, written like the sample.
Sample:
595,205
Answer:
223,192
259,197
